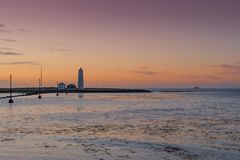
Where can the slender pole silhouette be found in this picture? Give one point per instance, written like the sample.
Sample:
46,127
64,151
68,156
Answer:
39,89
10,100
40,85
66,89
57,89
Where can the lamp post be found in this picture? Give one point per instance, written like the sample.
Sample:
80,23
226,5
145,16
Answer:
39,89
57,90
40,85
10,100
66,89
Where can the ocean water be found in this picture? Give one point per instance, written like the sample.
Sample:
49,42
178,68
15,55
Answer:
158,125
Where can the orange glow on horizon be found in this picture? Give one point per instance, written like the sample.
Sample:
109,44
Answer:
153,45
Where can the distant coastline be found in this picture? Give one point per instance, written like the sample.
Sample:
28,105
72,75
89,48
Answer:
34,91
86,90
194,89
114,90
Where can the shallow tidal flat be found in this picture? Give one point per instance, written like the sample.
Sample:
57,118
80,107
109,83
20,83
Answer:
170,126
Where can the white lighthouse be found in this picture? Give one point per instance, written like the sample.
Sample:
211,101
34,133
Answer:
80,79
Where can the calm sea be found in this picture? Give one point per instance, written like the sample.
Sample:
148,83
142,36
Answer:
158,125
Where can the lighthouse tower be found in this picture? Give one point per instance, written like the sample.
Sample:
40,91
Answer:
80,79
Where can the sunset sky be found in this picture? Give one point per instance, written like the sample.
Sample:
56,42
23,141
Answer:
121,43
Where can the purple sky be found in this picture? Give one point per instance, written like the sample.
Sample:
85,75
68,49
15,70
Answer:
185,35
218,13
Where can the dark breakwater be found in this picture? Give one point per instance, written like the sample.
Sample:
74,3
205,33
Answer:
34,91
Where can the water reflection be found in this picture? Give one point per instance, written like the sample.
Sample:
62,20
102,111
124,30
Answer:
80,95
177,118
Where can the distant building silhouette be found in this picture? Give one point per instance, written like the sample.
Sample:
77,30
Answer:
71,86
61,86
80,79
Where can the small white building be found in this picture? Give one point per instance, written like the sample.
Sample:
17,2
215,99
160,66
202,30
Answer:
71,86
61,86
